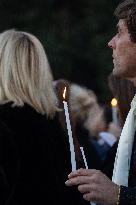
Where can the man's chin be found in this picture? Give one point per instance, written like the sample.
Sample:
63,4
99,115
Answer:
122,74
116,72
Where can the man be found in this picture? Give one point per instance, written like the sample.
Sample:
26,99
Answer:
94,185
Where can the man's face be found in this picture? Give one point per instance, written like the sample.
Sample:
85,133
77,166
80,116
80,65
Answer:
124,52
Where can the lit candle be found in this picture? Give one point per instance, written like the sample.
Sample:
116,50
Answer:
86,166
114,111
72,151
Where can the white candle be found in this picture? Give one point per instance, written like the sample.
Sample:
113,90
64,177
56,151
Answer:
114,115
84,158
72,151
86,166
114,111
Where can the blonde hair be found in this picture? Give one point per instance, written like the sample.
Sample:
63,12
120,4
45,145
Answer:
25,75
81,99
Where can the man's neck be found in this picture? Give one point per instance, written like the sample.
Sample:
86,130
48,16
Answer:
133,80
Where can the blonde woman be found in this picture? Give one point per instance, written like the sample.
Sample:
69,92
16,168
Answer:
34,160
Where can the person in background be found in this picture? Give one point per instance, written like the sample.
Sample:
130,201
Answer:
34,157
94,185
123,90
98,125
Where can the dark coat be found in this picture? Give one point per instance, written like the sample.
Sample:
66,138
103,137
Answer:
34,159
128,194
85,141
108,164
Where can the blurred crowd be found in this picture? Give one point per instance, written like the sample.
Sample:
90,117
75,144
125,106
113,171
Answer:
93,126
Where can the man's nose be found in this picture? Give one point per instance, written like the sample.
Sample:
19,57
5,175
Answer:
111,43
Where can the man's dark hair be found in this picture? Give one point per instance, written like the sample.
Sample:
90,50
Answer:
127,10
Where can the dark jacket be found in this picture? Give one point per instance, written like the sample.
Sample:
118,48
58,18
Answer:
34,159
128,194
85,141
108,164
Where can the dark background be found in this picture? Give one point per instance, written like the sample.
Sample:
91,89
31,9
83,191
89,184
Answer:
74,33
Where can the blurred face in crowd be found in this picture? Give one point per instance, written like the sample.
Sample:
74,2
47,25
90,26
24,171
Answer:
97,122
124,52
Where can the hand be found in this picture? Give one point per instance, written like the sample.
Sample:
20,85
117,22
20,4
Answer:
114,129
94,185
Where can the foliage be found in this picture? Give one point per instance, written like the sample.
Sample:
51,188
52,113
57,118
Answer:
75,35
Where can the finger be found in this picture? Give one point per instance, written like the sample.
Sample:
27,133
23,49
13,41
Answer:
75,173
84,188
91,196
87,197
77,180
83,172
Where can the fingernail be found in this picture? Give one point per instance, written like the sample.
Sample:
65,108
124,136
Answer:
66,182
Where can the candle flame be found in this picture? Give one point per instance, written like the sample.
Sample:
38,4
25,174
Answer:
114,102
64,93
